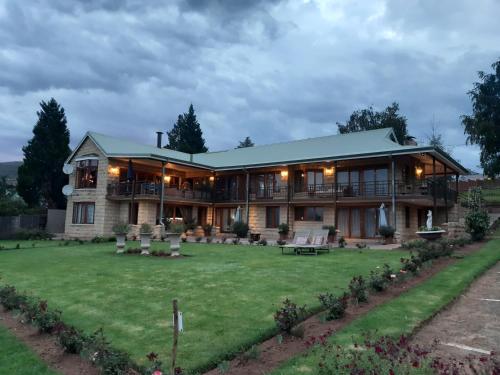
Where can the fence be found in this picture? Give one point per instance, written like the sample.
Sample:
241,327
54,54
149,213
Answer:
52,222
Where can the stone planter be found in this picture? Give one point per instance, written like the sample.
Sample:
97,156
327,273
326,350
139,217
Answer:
388,240
431,235
283,236
120,243
145,243
175,243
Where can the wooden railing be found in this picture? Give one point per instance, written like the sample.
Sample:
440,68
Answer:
280,193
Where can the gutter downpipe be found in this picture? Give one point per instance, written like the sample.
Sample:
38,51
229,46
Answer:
247,198
393,195
162,192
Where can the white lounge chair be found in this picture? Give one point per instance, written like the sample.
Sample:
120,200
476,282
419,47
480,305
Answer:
300,238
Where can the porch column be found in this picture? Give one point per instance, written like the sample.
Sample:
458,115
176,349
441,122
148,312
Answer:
288,194
162,190
247,198
393,188
434,191
213,199
335,193
445,192
456,187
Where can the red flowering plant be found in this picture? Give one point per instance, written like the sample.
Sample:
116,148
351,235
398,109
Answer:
386,355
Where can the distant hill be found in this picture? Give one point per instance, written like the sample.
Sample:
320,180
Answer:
9,169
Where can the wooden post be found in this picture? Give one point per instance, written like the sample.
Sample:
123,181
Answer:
288,193
213,201
162,192
247,198
393,195
456,187
176,334
335,193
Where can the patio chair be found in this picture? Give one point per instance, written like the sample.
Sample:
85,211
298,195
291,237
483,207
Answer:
318,243
300,238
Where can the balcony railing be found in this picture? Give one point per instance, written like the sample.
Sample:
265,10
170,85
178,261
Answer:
125,189
424,189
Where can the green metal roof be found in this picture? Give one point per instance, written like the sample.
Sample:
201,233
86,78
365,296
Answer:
380,142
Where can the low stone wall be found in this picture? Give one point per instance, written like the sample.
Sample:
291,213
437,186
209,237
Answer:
455,230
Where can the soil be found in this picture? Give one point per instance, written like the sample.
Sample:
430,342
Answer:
272,353
46,347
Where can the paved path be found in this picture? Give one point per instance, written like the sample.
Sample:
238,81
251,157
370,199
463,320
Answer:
471,326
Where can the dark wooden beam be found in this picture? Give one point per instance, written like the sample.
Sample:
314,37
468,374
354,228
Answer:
434,190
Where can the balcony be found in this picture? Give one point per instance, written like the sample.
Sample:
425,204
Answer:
321,192
151,190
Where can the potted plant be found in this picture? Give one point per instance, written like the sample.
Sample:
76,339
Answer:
387,232
207,230
190,226
283,230
240,229
120,230
174,231
332,232
146,231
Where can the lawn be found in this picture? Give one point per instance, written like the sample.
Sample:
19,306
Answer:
227,293
16,358
405,313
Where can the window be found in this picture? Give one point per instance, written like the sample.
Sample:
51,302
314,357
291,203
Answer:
309,213
86,173
272,217
83,213
266,184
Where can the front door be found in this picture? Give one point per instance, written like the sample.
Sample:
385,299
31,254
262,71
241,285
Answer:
358,222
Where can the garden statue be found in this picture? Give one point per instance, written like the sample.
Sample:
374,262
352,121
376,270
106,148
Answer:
429,220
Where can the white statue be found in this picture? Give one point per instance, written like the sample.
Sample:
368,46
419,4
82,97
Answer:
429,220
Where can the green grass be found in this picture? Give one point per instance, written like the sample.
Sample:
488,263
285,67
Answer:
406,313
489,195
227,293
16,358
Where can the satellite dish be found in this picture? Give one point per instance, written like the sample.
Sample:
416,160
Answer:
67,190
67,168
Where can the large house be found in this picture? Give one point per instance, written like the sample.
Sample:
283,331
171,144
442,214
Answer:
339,180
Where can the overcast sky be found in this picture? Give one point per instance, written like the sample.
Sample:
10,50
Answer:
273,70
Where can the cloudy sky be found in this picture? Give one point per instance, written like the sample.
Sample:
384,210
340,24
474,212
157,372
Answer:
273,70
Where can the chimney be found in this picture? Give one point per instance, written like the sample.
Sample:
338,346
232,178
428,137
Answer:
158,139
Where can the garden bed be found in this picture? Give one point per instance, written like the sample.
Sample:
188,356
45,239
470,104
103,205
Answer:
155,254
46,347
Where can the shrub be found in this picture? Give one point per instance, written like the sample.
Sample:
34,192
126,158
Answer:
121,228
177,227
240,229
236,241
146,228
190,224
263,242
46,320
209,239
70,338
387,272
111,361
386,231
281,242
288,315
414,244
10,299
378,281
98,239
223,239
283,228
207,229
332,231
335,306
154,364
198,239
342,242
33,234
412,264
184,239
358,290
477,223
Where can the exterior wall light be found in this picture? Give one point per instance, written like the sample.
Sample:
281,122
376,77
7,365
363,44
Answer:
114,171
167,179
284,174
329,171
211,179
418,172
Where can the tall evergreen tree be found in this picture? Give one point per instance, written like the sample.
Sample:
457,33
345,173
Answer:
369,119
247,142
186,135
40,177
483,127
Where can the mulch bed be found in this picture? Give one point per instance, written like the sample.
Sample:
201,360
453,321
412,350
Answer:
272,353
165,255
46,347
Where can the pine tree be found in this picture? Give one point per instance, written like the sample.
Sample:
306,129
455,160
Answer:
247,142
40,177
186,135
